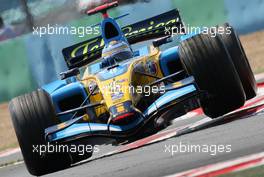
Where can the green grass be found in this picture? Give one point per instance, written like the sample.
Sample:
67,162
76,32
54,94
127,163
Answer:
9,146
259,70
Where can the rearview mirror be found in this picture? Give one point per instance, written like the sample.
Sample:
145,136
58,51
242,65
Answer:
69,73
161,41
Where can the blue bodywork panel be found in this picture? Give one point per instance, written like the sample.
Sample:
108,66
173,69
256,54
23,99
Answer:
61,89
69,90
168,56
50,88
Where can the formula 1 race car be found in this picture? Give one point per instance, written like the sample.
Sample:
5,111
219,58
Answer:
113,92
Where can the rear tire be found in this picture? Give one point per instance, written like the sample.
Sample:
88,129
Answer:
239,58
31,114
208,61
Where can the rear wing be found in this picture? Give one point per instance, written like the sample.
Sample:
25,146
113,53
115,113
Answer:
88,51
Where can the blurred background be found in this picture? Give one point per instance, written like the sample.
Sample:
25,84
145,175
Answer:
28,61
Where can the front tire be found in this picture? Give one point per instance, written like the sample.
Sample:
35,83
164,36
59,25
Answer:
31,114
239,58
208,61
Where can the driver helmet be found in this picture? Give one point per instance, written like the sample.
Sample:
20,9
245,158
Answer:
116,51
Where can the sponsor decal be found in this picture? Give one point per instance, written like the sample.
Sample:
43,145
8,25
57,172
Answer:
144,30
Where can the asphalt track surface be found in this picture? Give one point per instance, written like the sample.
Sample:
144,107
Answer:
245,136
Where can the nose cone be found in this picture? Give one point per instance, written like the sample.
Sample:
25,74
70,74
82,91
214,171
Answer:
123,113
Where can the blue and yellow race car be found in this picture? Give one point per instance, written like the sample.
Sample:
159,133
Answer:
113,91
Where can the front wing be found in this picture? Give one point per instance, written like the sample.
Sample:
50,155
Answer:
75,128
